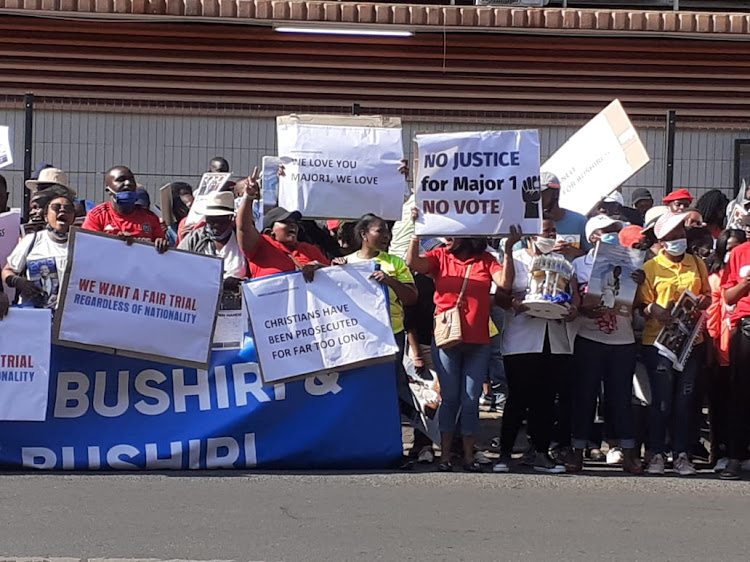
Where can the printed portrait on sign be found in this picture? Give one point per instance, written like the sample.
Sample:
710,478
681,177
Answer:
43,272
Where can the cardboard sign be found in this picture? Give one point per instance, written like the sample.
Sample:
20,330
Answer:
597,159
478,183
24,364
341,167
10,229
339,321
210,181
6,154
133,301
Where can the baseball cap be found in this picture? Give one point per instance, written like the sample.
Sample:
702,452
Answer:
614,197
599,221
667,223
640,194
678,195
279,214
547,180
630,236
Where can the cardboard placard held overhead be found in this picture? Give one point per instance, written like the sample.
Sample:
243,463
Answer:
341,167
597,159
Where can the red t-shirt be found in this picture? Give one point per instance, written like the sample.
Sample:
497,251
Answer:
270,257
449,273
739,259
139,224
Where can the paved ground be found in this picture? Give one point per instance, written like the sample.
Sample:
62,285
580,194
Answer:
389,516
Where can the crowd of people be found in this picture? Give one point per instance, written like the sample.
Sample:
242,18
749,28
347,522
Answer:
590,377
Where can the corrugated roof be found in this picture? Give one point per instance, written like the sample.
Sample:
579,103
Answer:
463,18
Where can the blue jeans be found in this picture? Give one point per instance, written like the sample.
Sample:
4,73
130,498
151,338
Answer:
613,365
461,371
496,373
672,400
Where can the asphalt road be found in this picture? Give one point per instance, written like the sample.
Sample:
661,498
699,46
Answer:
389,516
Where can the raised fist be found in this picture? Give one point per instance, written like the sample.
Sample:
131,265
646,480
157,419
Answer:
531,193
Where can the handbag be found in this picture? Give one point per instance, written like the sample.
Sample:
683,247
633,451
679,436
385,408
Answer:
448,323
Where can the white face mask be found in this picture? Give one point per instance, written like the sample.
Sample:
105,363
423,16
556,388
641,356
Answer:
676,248
544,245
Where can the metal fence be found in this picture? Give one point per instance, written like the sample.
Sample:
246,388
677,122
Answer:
169,142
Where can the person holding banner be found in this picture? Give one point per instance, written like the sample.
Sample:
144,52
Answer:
567,222
462,269
277,249
120,216
37,264
537,354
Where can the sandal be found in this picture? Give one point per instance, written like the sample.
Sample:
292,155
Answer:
445,466
473,466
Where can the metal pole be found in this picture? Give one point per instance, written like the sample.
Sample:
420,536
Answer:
356,109
28,131
669,152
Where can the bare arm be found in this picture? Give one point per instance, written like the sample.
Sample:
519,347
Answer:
247,235
416,262
733,295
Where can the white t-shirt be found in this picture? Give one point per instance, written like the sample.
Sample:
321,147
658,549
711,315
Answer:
608,328
44,263
234,260
525,334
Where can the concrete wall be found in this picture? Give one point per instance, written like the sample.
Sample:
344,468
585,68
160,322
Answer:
160,148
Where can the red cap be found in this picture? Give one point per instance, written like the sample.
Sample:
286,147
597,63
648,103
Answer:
678,195
630,236
333,224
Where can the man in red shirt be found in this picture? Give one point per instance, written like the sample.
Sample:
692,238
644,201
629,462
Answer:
277,249
736,289
121,216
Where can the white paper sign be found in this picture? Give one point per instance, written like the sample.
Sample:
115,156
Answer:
10,230
210,182
6,155
340,320
341,172
597,159
478,183
24,364
133,301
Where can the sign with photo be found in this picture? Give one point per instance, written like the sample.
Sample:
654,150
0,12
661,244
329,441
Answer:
477,183
611,284
675,342
210,181
115,299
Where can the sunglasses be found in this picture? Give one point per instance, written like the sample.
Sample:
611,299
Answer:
57,207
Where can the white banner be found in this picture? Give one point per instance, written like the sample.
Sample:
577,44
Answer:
10,231
6,154
478,183
24,364
341,172
338,321
133,301
597,159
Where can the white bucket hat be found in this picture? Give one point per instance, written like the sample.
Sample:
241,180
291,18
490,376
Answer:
49,175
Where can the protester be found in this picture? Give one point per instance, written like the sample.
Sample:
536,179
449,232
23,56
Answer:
462,266
3,195
678,201
742,200
668,276
712,206
36,266
120,216
217,237
567,222
614,206
218,164
718,326
605,354
536,354
278,248
182,199
736,288
642,200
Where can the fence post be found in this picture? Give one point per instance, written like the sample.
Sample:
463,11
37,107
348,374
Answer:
28,131
669,152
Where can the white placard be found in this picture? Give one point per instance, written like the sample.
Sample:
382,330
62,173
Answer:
24,364
341,172
210,182
478,183
10,231
338,321
133,301
6,155
597,159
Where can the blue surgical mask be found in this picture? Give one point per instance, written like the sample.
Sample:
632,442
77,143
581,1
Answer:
610,238
676,248
125,199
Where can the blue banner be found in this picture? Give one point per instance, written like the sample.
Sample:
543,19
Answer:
114,413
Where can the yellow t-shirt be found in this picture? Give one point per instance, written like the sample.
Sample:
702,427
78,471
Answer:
396,268
665,283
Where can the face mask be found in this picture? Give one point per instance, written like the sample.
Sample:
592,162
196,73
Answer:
676,248
544,245
610,238
125,199
56,234
220,236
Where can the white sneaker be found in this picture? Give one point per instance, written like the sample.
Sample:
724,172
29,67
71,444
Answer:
502,465
684,466
721,464
615,456
426,456
481,458
745,465
656,466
